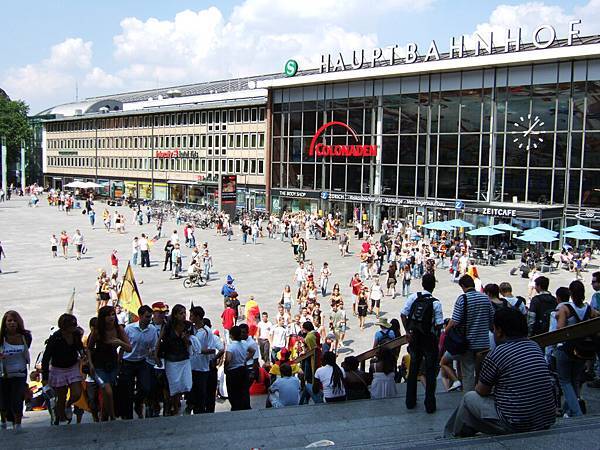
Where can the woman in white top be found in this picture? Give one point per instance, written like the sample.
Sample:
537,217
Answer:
330,378
15,341
324,278
287,298
375,294
384,384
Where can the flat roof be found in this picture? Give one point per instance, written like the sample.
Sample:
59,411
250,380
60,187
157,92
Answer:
583,48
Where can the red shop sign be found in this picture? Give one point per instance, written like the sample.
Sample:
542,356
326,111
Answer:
357,150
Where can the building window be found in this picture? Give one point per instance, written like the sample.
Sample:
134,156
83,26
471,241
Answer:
261,114
210,165
261,167
231,118
254,114
238,115
238,166
203,117
261,140
223,166
246,115
238,141
246,140
245,166
203,141
230,166
253,140
203,165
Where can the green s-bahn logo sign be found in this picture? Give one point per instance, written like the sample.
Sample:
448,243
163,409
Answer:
291,68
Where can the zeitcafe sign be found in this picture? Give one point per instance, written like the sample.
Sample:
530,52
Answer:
355,150
481,44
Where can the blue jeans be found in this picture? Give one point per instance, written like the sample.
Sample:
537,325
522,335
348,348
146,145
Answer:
206,271
134,259
308,394
569,374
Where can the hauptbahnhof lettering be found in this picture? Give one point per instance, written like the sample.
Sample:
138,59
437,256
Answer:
505,132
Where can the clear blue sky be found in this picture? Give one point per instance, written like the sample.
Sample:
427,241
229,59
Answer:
200,52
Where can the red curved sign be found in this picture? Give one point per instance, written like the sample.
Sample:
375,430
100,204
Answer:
321,149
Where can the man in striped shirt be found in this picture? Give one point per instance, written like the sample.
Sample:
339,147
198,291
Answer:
477,323
516,405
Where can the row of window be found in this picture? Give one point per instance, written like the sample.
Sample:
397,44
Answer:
215,119
191,141
228,166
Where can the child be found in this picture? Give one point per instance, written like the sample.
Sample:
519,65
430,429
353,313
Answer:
53,245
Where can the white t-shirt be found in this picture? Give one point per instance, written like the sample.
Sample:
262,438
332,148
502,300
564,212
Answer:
323,374
143,243
300,274
264,329
279,336
174,238
376,293
238,355
288,389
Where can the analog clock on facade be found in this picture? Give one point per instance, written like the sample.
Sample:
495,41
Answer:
528,134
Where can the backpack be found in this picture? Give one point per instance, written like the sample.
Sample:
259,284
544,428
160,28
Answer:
420,317
386,337
542,318
584,348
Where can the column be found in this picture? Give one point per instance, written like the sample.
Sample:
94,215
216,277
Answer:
377,182
23,165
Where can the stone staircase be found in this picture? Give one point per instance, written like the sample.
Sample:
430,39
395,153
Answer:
361,424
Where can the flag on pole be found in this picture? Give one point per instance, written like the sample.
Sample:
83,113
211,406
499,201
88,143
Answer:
71,303
129,296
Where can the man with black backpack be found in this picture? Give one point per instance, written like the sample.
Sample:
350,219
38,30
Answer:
422,318
541,307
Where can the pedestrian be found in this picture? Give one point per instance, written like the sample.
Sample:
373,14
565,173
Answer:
176,343
64,243
330,380
92,217
144,250
473,315
176,258
375,295
423,318
135,371
206,264
570,363
406,279
362,307
285,390
228,288
53,245
263,336
135,250
114,262
238,382
391,280
103,358
105,218
228,317
61,366
77,240
148,213
279,338
383,368
197,401
15,342
169,255
324,278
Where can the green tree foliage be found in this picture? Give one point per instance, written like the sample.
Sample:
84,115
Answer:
15,127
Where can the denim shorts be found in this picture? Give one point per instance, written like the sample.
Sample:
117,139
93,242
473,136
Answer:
103,377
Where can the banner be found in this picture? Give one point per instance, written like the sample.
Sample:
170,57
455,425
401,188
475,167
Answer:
129,296
228,188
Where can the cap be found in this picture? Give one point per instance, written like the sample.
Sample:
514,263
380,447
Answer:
160,307
384,323
229,279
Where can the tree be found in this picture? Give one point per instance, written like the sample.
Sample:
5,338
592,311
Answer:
15,127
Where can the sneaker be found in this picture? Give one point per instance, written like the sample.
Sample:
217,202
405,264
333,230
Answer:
455,386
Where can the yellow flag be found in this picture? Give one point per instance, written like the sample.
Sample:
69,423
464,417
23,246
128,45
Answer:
129,296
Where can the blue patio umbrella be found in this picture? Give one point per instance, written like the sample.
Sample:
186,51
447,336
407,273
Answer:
439,226
484,231
582,236
578,228
541,230
505,227
537,236
459,223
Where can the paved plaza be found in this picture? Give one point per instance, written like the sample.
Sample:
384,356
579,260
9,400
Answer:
39,286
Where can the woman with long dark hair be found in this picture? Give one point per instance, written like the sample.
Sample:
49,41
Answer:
103,358
61,365
15,341
383,369
174,346
330,378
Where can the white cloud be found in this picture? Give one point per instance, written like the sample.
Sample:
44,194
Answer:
99,79
71,53
528,16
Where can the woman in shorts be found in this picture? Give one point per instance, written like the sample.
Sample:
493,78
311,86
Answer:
61,367
362,307
64,243
103,357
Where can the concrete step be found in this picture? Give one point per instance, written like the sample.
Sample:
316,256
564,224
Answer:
358,424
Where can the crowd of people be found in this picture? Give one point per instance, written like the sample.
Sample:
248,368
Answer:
171,361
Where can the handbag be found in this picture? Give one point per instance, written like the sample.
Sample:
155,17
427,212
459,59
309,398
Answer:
456,341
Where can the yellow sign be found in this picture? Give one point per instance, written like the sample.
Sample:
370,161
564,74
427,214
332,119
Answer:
129,296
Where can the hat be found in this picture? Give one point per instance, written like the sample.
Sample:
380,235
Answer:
229,279
384,323
160,307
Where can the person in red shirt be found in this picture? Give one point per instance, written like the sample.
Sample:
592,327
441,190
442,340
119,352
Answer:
356,285
228,318
114,262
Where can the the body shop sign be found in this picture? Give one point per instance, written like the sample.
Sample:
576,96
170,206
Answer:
176,154
355,150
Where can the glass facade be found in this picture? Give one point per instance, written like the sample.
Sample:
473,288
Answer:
449,136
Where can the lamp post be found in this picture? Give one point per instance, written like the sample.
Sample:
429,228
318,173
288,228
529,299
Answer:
23,165
152,118
96,148
3,150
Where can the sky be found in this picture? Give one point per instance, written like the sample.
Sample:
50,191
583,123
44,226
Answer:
52,52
